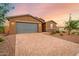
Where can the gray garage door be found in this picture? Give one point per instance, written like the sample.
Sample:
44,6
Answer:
26,28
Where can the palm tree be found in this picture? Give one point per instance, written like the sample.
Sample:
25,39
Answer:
71,25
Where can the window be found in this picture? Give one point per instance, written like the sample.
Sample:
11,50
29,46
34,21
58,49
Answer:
51,26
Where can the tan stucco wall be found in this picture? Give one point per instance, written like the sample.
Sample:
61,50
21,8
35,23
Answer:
12,27
40,27
6,29
13,21
26,19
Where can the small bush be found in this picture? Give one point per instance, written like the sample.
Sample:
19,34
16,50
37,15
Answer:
57,31
53,32
73,32
61,34
77,33
1,29
1,40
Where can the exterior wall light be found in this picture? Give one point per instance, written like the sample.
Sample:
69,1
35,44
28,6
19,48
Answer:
12,23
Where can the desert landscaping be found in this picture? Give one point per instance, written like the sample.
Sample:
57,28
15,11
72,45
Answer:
38,34
38,44
41,44
72,38
7,46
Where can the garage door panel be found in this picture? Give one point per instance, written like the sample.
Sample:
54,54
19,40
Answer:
26,27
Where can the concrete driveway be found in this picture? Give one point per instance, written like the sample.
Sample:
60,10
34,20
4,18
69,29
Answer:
41,44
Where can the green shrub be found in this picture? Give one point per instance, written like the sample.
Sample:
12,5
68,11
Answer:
57,31
1,29
53,32
73,32
77,33
1,39
63,32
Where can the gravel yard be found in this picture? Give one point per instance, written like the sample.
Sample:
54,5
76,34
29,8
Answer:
7,47
37,44
41,44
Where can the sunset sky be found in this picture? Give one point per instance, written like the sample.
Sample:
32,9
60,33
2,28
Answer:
48,11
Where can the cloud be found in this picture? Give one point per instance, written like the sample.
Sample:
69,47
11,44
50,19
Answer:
49,11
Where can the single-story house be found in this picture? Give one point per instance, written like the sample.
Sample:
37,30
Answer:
49,25
27,24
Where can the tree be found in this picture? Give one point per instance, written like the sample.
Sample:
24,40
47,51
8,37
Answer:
71,25
4,9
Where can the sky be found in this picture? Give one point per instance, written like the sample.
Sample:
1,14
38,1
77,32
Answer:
58,12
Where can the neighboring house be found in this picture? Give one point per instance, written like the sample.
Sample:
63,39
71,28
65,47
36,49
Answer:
27,24
49,26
